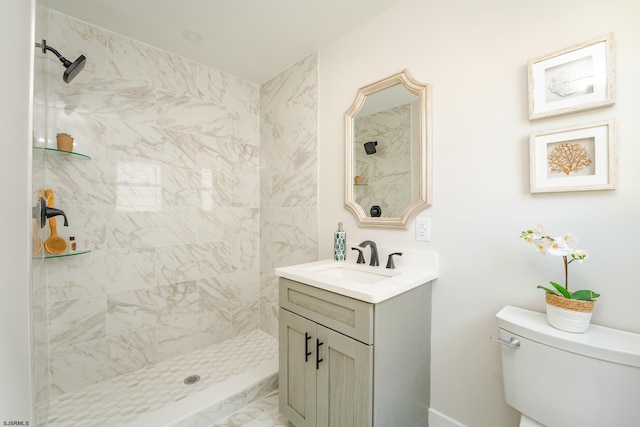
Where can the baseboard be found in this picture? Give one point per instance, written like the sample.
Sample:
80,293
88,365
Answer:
438,419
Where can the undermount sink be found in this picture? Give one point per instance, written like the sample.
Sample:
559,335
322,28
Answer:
353,272
362,281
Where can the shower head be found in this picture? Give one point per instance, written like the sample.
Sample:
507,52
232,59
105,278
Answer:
72,68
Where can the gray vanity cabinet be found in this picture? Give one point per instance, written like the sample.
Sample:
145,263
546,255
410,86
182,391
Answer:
297,373
349,363
331,391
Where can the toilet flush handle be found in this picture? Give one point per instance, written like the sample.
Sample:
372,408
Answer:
513,343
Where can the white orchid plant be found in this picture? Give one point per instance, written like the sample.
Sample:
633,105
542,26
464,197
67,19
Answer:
560,246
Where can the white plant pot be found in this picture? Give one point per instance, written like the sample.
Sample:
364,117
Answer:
568,320
569,315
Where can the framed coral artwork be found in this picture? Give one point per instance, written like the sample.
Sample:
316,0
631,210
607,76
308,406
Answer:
573,159
574,79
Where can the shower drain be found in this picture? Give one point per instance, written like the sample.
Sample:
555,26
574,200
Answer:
192,379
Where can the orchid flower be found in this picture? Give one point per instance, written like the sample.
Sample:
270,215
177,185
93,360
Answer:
533,234
560,246
579,255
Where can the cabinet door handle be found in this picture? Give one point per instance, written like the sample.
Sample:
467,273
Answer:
318,359
307,353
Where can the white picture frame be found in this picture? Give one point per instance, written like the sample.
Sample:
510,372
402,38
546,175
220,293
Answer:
580,158
578,78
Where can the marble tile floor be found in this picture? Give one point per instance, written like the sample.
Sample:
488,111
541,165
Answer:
233,374
262,413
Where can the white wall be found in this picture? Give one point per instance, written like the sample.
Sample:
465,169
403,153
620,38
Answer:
15,29
475,55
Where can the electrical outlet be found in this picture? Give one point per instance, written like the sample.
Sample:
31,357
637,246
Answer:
423,229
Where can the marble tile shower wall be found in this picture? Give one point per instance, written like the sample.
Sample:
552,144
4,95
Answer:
169,204
289,178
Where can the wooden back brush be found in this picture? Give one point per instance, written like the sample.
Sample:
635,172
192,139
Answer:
55,244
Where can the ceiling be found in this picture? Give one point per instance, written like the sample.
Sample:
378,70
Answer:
252,39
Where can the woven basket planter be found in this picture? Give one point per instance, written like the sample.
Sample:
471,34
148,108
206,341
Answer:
569,315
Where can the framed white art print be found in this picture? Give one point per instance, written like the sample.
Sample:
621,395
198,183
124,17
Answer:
580,158
574,79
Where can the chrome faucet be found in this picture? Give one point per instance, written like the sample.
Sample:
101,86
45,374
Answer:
374,251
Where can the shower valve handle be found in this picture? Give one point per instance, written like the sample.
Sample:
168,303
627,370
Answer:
41,212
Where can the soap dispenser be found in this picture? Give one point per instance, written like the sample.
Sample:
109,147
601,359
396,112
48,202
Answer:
339,244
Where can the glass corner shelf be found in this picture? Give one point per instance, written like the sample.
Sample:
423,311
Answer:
362,183
57,152
62,255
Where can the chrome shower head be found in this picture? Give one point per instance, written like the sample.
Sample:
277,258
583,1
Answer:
72,68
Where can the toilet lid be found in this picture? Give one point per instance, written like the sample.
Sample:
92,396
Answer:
598,342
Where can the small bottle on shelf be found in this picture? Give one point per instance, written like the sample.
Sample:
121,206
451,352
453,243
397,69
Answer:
72,244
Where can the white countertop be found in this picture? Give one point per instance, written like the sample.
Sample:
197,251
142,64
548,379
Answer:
361,281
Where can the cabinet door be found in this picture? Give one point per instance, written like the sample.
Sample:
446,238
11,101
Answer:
297,369
344,381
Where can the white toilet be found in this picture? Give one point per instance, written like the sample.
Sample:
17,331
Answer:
560,379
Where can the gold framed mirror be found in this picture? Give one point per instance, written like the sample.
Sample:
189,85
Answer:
388,152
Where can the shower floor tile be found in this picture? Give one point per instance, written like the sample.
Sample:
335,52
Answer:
159,392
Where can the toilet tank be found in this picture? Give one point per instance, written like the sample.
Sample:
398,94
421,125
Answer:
560,379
